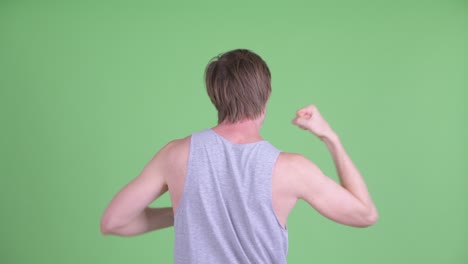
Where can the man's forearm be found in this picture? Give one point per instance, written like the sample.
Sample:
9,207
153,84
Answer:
350,177
148,220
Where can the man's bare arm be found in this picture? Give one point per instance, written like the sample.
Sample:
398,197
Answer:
350,178
128,213
149,220
348,203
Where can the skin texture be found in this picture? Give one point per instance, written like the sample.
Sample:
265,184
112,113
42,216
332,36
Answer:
294,177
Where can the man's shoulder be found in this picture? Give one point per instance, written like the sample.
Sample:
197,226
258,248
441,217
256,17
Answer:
174,154
293,162
291,158
176,146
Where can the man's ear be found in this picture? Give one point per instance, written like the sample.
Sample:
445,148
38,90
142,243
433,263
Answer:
263,115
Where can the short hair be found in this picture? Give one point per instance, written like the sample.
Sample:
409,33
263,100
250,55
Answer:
238,83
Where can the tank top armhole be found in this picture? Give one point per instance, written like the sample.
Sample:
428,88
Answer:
187,178
275,159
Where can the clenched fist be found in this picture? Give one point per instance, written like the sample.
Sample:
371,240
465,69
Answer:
309,118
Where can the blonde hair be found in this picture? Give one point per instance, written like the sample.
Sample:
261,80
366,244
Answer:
238,83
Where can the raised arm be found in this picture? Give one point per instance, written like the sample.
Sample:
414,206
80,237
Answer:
348,203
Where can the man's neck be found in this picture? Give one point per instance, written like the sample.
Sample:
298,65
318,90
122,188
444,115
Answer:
245,131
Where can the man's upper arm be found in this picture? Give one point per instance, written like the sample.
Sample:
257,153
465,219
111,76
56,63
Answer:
324,194
134,197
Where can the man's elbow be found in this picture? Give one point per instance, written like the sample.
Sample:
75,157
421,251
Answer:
371,219
107,228
105,231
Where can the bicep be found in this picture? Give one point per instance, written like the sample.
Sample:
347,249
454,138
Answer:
147,186
328,197
135,196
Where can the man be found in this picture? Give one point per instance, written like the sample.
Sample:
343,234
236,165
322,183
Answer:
231,190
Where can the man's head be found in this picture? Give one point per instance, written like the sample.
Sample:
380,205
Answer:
239,85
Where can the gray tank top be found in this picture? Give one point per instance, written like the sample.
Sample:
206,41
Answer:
225,214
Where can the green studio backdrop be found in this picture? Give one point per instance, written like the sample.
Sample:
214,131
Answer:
91,90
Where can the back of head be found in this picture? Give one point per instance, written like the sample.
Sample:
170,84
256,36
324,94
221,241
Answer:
238,83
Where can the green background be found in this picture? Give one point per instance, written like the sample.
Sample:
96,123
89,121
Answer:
90,90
